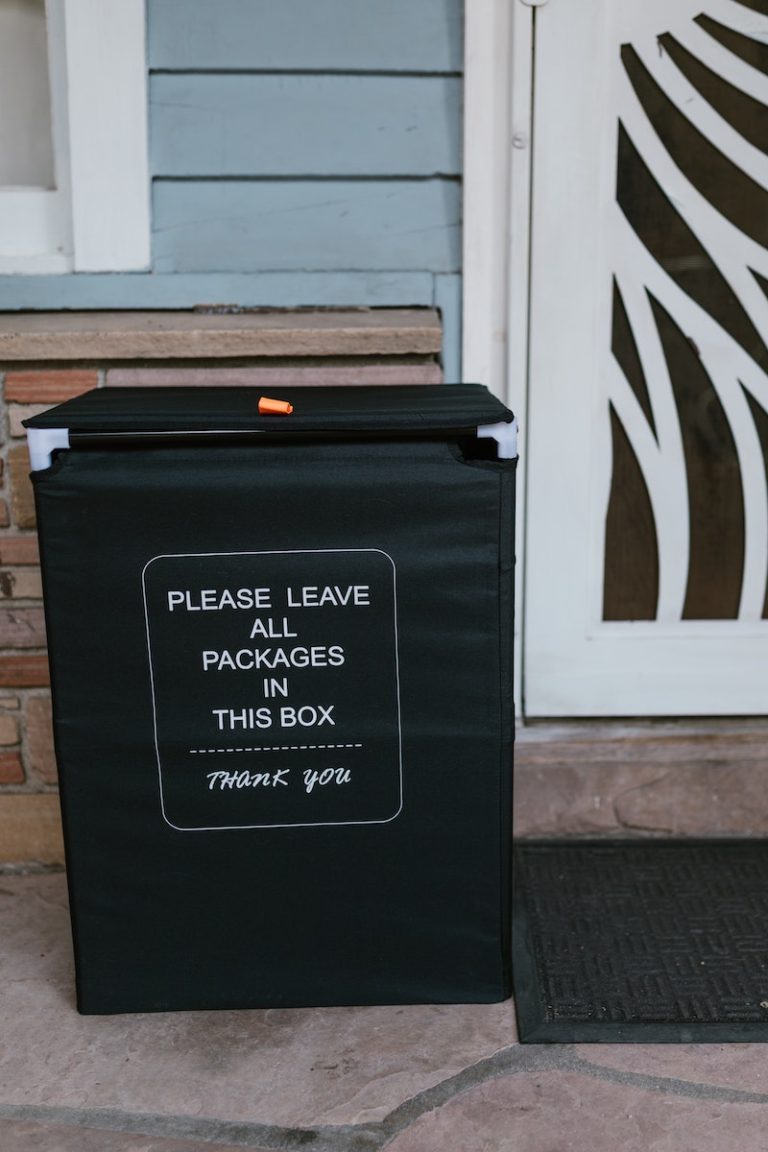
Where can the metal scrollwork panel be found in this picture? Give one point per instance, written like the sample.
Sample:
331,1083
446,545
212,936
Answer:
687,517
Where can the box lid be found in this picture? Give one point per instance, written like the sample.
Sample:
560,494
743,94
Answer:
430,408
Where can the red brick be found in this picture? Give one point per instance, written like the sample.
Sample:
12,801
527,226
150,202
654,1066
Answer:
4,517
9,729
20,584
22,628
24,672
11,770
48,386
19,412
22,497
38,738
30,828
19,550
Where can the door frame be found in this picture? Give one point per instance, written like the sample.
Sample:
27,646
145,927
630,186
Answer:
500,293
498,131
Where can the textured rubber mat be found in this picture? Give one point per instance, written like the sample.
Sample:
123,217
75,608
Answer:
653,941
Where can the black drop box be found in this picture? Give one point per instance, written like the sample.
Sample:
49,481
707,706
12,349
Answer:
281,668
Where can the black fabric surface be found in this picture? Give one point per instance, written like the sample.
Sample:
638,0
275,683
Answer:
395,408
642,942
392,887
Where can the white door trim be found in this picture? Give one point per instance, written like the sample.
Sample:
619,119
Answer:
498,65
577,662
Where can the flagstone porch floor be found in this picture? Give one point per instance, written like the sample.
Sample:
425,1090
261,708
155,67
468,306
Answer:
414,1079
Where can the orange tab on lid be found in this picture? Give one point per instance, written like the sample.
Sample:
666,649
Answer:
269,407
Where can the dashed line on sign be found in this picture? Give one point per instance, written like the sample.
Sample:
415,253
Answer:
275,748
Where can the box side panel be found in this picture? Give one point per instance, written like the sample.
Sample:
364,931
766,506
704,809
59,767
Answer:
409,909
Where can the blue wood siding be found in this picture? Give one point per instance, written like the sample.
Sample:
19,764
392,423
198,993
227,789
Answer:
300,161
138,290
306,35
280,225
305,125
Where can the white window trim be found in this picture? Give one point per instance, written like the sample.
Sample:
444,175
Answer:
108,137
98,217
36,223
34,230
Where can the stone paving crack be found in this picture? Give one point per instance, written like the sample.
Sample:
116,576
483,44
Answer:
668,1085
331,1138
371,1137
624,821
235,1134
511,1060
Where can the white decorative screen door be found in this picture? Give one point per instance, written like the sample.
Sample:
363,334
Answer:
647,516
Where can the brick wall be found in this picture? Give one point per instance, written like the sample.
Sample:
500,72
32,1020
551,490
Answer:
392,348
29,810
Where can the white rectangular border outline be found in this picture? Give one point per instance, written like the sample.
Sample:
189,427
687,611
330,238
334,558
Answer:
275,552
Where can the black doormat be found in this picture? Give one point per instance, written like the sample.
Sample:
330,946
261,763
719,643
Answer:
641,942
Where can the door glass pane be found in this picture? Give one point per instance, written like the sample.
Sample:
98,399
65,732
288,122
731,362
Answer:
26,147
